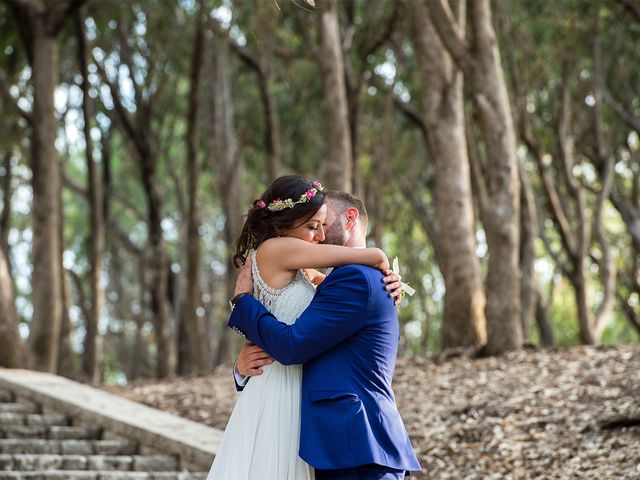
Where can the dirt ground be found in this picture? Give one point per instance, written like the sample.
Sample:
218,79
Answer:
547,414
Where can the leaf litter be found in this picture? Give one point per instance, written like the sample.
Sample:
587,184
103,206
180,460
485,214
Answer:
533,414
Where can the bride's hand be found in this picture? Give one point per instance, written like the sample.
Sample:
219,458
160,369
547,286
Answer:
393,283
244,283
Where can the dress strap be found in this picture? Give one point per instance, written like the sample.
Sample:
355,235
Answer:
258,281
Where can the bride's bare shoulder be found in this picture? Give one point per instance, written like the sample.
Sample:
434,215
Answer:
272,249
277,244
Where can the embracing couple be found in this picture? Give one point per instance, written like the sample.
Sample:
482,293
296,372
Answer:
324,408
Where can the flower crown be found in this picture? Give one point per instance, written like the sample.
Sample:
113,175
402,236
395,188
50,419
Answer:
279,204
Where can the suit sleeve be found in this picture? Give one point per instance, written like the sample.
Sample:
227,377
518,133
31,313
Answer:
239,380
338,310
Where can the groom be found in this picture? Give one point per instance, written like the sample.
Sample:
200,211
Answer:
347,341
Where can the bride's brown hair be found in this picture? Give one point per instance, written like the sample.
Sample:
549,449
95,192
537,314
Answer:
261,223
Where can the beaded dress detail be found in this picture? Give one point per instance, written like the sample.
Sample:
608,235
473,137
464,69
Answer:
262,437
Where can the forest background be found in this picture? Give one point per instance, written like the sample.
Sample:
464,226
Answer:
495,144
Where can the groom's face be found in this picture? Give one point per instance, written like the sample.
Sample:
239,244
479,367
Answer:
334,231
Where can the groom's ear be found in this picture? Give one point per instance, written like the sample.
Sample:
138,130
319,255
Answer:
352,217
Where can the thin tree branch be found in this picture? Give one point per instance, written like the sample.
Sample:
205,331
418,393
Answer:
74,186
124,239
4,92
123,115
127,60
59,12
426,217
450,33
386,34
553,196
625,114
632,7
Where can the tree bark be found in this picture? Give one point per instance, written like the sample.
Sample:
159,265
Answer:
528,235
265,83
190,321
229,169
338,167
12,352
382,156
92,358
605,164
482,68
47,302
464,322
67,358
39,27
7,196
543,321
11,346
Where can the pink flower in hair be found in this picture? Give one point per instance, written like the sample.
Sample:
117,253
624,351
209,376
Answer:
260,203
311,193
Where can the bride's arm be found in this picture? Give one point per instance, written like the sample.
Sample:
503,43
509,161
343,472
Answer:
293,254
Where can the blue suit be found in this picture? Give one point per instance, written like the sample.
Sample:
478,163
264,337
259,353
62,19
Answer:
347,341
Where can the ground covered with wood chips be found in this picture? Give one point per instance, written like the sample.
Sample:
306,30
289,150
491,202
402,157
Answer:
548,414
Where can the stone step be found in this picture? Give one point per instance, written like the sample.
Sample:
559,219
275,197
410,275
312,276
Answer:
69,447
100,475
33,419
11,407
99,436
50,432
137,463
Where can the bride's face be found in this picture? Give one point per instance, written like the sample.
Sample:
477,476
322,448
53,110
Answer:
312,230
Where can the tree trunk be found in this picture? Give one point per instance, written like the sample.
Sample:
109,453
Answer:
157,267
67,359
47,261
543,321
229,168
382,157
139,348
12,352
39,28
578,247
265,58
190,323
464,322
482,68
92,358
605,165
11,346
7,196
528,235
338,166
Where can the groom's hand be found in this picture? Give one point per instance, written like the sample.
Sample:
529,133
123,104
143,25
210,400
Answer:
250,359
244,283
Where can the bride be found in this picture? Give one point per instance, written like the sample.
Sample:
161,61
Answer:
281,236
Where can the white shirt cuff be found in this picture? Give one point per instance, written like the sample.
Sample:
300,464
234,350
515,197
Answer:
240,379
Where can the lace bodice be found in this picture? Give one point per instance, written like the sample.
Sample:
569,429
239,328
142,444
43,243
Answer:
286,303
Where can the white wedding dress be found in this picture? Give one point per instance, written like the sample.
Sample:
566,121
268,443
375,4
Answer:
263,433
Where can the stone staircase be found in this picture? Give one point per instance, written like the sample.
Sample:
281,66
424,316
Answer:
53,428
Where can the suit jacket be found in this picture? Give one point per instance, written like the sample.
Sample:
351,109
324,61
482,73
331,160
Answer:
347,341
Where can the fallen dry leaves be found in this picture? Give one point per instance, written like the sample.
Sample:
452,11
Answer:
548,414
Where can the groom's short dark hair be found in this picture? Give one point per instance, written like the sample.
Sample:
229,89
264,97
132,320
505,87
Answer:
345,201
